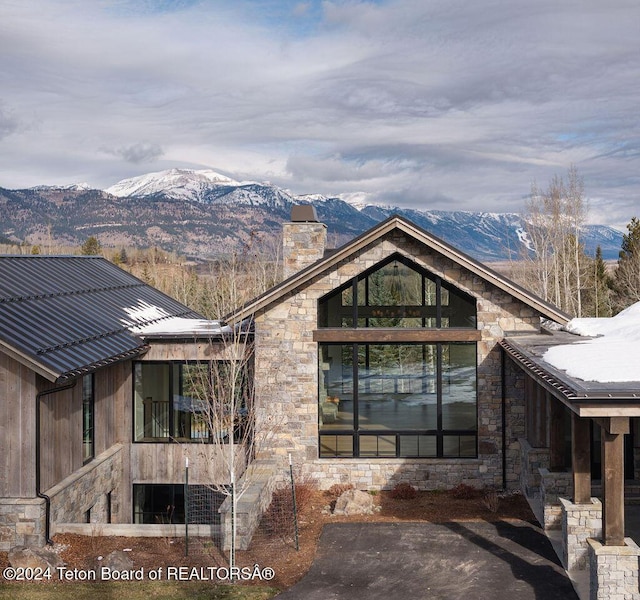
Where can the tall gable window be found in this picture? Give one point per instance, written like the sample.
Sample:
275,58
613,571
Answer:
397,293
397,389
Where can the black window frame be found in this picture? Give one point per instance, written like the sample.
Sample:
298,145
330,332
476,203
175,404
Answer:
439,433
88,418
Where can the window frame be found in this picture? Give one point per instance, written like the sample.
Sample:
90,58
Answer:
358,311
360,333
172,438
439,432
88,418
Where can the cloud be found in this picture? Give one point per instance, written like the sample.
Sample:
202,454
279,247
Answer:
8,123
138,153
464,104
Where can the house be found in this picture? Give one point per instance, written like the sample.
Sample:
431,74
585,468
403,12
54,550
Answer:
92,367
382,360
395,358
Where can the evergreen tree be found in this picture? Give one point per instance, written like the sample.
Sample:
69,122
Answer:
626,280
91,247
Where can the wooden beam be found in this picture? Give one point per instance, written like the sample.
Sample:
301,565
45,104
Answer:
581,459
614,425
613,488
395,334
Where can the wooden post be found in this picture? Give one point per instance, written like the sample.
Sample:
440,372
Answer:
613,488
581,459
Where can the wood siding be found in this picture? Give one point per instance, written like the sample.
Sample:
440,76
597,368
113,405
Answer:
17,432
165,463
61,422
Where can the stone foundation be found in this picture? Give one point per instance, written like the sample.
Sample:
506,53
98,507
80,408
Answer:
385,474
22,522
553,486
614,571
579,523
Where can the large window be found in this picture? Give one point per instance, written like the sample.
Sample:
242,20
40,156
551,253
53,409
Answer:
164,503
171,401
191,402
398,293
397,393
88,418
406,400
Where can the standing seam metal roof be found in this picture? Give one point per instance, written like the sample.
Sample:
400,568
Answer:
68,315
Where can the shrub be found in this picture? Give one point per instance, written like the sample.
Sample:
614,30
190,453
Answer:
491,500
337,489
463,491
404,491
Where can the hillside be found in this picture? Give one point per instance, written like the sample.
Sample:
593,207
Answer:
203,213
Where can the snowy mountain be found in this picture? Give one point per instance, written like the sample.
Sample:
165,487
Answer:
179,184
204,213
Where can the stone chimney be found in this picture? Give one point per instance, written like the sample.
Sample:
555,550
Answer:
304,239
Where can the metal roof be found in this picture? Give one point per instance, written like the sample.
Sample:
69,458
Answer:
68,315
529,350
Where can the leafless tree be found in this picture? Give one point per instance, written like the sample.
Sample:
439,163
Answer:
554,266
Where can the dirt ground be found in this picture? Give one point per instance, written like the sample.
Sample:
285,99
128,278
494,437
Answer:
278,551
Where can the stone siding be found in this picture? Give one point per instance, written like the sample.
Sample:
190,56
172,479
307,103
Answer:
286,374
579,523
22,522
532,460
257,484
87,490
553,486
614,571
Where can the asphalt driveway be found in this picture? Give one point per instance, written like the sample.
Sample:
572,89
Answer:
452,561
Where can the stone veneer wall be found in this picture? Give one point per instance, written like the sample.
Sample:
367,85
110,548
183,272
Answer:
22,522
286,374
87,489
553,486
531,461
579,523
261,478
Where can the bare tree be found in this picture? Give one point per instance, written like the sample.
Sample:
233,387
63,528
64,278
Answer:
554,266
222,387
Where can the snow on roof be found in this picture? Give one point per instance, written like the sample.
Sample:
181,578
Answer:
613,353
179,326
150,320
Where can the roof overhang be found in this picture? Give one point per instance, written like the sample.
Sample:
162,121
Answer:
587,399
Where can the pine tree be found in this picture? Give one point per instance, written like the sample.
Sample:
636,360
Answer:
91,247
626,280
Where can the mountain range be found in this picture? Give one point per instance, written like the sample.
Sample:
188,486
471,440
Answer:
204,214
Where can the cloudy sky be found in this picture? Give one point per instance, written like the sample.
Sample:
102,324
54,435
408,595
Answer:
439,104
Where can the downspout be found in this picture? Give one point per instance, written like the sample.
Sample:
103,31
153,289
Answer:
39,494
503,377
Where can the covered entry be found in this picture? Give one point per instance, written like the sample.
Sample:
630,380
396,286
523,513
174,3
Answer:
582,436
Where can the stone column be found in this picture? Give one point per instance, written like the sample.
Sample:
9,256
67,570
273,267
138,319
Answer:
579,523
614,571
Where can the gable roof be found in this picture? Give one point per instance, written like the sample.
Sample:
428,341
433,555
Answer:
67,315
399,223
